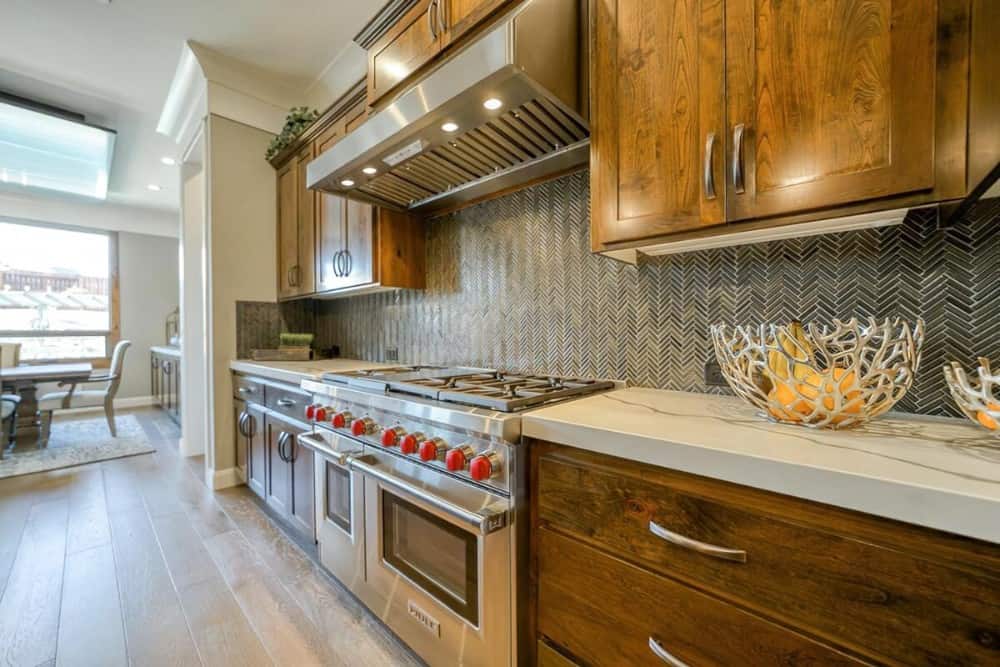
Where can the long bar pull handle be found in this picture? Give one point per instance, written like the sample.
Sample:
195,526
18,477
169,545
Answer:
735,555
708,177
738,184
432,18
285,402
442,19
664,655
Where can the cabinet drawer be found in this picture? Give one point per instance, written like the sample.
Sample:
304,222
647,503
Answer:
608,612
248,389
896,605
287,401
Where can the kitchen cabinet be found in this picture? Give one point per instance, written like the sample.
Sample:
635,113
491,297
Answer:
290,481
707,115
165,382
626,553
460,16
329,246
296,246
249,439
410,43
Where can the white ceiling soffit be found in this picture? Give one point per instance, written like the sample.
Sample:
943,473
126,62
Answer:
208,82
89,213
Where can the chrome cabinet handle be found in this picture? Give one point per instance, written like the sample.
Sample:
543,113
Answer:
245,390
432,19
282,439
735,555
738,185
251,426
708,177
348,263
442,23
241,424
336,264
664,655
286,402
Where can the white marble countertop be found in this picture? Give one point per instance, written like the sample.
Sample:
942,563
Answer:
169,350
934,472
296,371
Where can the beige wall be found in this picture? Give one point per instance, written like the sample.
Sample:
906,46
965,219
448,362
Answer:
242,257
194,375
148,279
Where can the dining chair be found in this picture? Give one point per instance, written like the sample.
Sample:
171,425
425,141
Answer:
87,398
8,421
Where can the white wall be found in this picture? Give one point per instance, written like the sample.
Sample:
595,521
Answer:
148,279
241,263
65,210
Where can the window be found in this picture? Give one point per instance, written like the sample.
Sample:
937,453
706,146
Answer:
58,291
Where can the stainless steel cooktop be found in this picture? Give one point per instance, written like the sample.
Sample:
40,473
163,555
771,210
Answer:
481,387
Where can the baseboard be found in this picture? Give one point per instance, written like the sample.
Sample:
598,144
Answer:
120,404
222,479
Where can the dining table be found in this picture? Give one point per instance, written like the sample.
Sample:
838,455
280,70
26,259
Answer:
24,379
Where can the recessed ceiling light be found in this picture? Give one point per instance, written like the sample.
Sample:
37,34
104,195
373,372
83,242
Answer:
153,187
169,161
493,104
449,126
370,170
347,182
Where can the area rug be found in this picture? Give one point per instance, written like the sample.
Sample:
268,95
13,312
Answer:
75,441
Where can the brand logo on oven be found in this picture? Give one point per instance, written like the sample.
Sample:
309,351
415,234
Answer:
423,618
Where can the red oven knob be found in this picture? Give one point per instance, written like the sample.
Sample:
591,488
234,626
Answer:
484,466
363,426
432,449
391,436
311,411
458,458
409,443
319,414
342,419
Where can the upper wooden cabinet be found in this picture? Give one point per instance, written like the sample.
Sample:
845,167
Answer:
417,37
329,246
657,118
706,112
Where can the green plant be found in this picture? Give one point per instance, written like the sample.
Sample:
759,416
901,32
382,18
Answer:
298,119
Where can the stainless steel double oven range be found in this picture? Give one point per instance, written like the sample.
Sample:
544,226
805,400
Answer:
421,500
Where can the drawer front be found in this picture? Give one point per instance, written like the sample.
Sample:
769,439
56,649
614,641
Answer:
288,402
894,605
248,389
607,612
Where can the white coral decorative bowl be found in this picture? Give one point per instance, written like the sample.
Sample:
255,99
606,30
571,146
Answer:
821,375
977,399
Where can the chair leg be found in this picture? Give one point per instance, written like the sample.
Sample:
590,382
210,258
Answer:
43,440
109,413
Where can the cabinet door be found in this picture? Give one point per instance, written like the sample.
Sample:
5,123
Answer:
278,473
460,16
288,228
302,513
414,40
240,436
657,106
331,221
256,450
305,279
359,257
835,101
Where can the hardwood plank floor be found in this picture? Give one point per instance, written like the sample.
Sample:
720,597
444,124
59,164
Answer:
135,561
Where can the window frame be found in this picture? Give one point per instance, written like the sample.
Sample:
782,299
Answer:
113,334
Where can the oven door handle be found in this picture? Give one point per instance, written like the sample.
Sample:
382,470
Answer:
313,442
483,522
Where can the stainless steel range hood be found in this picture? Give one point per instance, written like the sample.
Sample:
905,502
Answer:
534,62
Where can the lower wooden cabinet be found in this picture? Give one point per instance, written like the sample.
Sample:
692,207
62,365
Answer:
712,571
269,457
165,383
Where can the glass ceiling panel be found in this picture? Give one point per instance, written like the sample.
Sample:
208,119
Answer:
39,150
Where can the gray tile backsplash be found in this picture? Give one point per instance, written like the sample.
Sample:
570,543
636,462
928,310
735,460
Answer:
512,283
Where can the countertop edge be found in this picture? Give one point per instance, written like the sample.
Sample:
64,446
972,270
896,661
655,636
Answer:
167,350
277,374
948,511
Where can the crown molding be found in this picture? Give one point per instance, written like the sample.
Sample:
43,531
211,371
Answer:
380,24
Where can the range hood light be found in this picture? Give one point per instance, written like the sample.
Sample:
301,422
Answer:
347,183
493,104
449,126
371,171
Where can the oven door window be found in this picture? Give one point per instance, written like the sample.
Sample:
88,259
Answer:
338,497
434,554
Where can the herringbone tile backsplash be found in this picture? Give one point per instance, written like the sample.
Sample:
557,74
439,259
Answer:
512,283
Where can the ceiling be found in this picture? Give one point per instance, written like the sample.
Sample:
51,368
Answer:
114,62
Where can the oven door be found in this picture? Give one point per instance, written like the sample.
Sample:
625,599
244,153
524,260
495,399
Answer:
339,507
438,562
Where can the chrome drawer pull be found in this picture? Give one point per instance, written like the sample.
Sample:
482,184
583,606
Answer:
664,655
245,390
735,555
286,402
